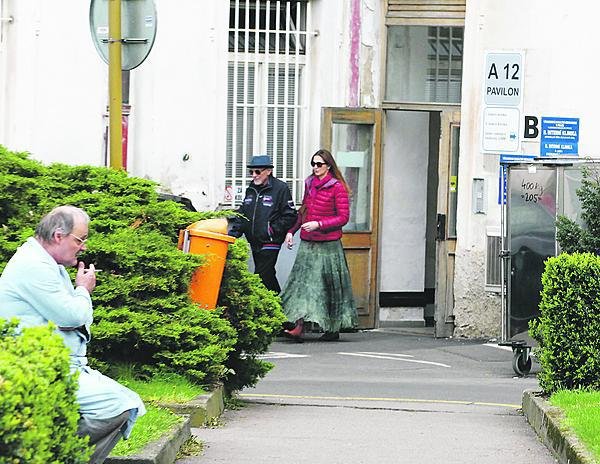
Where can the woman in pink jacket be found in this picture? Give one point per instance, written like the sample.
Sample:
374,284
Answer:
319,288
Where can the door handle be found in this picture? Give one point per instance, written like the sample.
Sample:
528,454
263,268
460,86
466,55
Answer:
441,227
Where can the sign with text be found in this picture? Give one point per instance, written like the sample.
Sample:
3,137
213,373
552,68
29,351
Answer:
500,132
502,102
503,79
560,136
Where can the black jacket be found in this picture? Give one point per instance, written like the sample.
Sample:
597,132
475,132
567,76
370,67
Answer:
268,212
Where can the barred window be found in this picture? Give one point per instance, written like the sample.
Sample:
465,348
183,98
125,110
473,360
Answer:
424,64
268,46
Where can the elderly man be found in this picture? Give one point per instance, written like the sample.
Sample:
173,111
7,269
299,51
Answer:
268,213
36,288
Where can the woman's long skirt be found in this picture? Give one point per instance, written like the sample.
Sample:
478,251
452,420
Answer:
319,288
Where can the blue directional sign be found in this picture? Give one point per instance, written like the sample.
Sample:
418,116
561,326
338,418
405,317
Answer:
560,136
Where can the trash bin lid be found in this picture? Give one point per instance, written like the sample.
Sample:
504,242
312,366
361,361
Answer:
206,234
218,225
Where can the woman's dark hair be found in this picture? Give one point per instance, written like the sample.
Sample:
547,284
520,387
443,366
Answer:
333,168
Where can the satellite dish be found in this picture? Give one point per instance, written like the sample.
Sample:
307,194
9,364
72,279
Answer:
138,30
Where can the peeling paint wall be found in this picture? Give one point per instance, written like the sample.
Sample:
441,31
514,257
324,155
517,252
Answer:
477,312
370,52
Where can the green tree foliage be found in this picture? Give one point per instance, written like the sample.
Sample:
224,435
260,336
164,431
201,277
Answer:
569,323
38,412
574,237
142,312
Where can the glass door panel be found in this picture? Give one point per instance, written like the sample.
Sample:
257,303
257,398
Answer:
352,148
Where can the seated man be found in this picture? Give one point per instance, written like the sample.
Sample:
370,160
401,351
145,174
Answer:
36,288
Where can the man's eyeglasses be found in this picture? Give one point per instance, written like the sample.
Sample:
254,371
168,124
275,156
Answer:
80,240
256,171
317,164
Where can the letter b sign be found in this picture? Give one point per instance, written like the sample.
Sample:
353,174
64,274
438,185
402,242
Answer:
531,130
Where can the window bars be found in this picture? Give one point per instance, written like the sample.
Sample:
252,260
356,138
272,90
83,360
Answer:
269,45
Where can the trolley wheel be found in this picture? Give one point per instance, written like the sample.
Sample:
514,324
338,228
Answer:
521,362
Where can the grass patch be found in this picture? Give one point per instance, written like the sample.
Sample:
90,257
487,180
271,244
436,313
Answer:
150,427
582,411
157,421
162,387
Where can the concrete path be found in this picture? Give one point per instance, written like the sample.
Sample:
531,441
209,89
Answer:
380,397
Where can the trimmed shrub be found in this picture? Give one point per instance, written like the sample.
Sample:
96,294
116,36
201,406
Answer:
142,312
569,323
38,412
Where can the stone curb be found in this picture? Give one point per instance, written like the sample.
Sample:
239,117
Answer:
545,420
164,450
200,409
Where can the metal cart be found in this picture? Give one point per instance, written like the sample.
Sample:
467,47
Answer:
535,193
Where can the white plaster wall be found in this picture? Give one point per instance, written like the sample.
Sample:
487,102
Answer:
55,82
179,102
559,45
371,52
3,65
57,90
329,64
404,204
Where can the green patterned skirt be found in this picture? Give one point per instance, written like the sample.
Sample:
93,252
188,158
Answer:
319,288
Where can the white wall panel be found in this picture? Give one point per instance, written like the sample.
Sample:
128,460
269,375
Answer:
403,221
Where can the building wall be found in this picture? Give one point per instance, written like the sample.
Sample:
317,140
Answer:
559,47
179,101
53,82
57,86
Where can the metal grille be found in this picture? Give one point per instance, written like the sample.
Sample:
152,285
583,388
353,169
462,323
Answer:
493,263
268,44
444,76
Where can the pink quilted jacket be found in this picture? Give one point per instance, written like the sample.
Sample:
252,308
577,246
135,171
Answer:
327,202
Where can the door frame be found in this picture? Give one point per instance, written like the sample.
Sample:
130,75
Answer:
373,117
445,244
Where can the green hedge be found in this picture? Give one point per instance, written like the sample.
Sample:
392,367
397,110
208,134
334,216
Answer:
142,312
568,328
38,413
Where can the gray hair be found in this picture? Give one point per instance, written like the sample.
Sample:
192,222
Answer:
61,218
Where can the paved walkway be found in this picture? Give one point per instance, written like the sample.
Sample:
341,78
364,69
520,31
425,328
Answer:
380,397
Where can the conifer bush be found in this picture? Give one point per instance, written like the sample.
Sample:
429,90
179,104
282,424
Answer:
38,410
142,312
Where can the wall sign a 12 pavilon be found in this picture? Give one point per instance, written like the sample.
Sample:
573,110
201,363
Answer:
138,30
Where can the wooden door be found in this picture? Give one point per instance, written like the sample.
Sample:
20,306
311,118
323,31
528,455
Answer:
446,222
354,138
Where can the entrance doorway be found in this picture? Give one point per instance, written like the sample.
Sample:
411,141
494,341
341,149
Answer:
354,138
418,219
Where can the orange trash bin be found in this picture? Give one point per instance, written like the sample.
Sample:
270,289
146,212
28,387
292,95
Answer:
206,280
